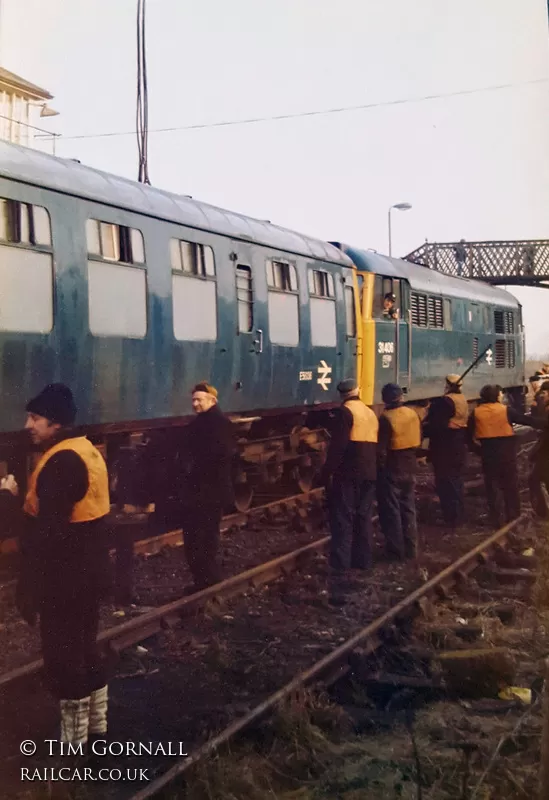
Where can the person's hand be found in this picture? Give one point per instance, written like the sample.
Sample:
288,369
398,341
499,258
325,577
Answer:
10,484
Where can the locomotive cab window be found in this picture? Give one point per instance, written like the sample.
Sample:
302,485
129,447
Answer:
283,303
322,308
194,291
244,298
26,268
112,242
387,298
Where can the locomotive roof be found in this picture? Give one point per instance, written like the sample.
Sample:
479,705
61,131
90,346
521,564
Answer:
71,178
423,279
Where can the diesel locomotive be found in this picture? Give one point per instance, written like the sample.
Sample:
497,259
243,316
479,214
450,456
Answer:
131,295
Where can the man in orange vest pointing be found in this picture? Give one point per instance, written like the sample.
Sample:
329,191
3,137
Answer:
65,561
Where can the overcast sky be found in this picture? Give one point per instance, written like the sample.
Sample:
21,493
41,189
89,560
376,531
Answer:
473,165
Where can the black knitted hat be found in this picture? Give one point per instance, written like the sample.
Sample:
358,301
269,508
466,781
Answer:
391,392
55,402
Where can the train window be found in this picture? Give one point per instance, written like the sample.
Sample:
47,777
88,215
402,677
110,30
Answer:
350,316
499,322
282,276
283,303
434,312
321,284
117,300
113,242
23,223
192,257
511,361
194,309
500,353
448,314
418,307
244,298
26,288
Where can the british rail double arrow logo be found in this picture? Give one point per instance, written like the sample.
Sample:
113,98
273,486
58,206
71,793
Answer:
323,371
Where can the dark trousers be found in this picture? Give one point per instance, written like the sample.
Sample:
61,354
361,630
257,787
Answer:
451,493
350,503
201,539
537,497
73,666
396,502
502,490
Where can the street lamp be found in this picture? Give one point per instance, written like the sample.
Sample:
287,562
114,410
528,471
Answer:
399,207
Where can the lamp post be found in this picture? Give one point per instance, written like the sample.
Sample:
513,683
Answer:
399,207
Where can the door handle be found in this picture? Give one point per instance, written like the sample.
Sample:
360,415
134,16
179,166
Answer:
259,341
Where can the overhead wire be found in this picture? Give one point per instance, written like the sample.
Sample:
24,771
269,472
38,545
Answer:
313,113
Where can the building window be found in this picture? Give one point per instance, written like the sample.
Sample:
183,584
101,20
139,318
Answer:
475,348
434,305
112,242
117,300
448,314
500,353
322,308
511,355
23,223
192,258
350,315
244,298
418,306
283,303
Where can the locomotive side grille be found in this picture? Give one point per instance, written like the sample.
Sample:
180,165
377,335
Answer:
436,319
499,322
511,358
500,353
509,322
418,306
475,348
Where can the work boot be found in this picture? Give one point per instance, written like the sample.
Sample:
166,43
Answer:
75,716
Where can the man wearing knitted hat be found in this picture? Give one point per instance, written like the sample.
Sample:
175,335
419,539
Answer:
206,488
65,561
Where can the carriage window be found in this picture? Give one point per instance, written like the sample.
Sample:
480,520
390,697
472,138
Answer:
321,284
350,316
23,223
418,307
26,288
113,242
283,303
322,308
244,298
192,257
448,314
117,300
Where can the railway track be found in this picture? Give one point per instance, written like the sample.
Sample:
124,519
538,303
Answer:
338,663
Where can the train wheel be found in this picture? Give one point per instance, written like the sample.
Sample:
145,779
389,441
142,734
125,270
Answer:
243,495
301,475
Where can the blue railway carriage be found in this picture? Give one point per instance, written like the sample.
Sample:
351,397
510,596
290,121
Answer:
443,325
131,295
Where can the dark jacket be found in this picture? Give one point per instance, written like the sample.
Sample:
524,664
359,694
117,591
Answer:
399,464
60,560
447,447
346,459
209,447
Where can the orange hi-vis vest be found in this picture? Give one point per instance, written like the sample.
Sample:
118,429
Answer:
459,420
95,503
491,421
406,428
365,423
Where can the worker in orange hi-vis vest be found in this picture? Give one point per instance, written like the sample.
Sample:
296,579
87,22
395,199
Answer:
65,569
491,436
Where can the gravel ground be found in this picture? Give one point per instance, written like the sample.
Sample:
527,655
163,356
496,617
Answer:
194,680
